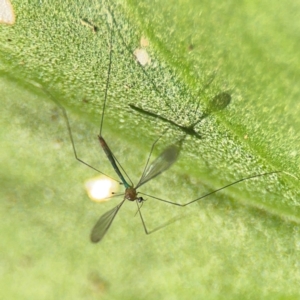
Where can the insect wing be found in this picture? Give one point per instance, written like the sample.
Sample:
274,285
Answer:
162,163
104,223
219,102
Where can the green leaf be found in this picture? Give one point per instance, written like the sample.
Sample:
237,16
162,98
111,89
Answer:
240,243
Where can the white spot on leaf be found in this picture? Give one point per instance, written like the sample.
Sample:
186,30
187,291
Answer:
142,56
7,15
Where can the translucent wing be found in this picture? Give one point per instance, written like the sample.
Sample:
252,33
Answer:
162,163
219,102
104,223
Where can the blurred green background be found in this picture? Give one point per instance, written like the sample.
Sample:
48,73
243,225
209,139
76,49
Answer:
240,243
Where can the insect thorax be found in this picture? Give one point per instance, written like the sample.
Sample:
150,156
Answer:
131,194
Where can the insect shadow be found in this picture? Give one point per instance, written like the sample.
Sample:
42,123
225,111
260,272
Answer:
217,103
161,164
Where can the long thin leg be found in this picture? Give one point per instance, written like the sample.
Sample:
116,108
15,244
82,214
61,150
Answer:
213,192
103,144
159,227
107,80
71,136
154,86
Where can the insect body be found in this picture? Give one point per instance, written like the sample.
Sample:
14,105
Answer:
163,162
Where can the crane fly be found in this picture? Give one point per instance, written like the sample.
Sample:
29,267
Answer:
161,164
